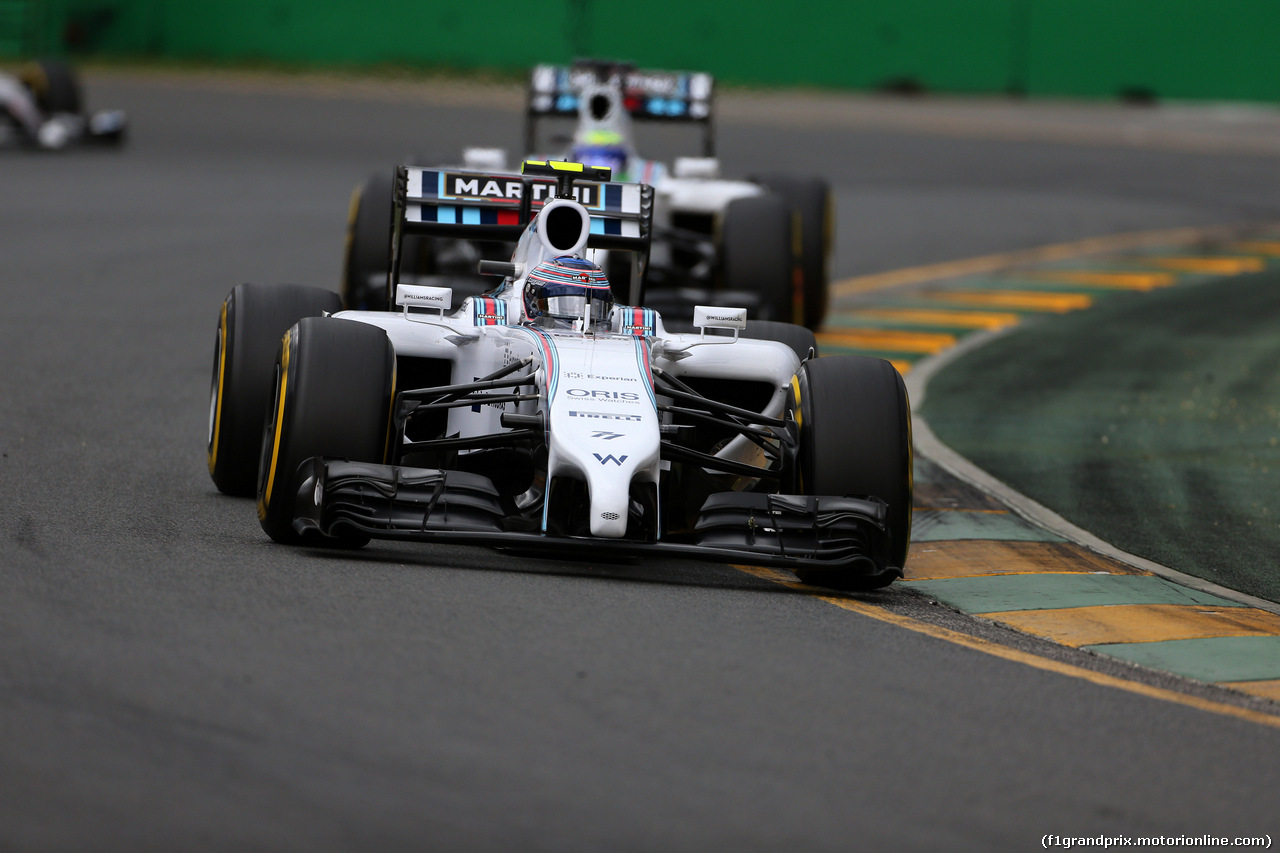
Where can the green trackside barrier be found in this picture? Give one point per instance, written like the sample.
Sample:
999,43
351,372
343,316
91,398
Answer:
1169,48
459,33
1092,48
936,45
27,28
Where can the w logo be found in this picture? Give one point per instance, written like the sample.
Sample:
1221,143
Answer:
616,460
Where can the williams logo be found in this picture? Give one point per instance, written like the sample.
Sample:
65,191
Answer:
508,189
616,460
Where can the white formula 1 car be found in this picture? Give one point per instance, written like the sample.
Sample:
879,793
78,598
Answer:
543,416
764,244
40,107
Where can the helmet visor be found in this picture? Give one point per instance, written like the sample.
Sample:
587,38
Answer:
572,306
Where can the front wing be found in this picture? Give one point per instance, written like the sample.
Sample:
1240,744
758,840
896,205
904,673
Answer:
431,505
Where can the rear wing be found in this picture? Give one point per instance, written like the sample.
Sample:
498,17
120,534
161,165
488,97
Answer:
665,96
494,206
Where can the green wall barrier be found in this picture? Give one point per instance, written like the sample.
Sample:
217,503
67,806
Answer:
1169,48
458,33
1090,48
907,44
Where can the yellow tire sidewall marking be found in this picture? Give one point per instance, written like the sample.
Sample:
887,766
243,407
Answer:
279,426
391,416
353,209
222,377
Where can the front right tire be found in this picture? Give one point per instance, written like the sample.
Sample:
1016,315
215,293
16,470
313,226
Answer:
855,439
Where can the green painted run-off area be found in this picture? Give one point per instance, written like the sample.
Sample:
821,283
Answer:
1093,48
1151,420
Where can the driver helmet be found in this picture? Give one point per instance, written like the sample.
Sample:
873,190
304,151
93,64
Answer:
559,292
602,148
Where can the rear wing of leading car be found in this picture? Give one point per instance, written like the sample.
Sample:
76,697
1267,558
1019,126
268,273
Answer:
666,96
494,206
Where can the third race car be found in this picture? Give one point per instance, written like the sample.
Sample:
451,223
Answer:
41,106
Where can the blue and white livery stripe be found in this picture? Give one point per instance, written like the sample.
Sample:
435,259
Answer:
642,359
640,322
487,311
430,186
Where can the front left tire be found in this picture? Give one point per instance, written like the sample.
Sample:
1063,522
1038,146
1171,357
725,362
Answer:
333,386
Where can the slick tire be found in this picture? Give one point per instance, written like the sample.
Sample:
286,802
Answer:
368,250
54,85
801,340
814,205
756,254
253,319
334,382
855,439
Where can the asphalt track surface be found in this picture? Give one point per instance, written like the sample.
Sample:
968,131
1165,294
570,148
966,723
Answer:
170,679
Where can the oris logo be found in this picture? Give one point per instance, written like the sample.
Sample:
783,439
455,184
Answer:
603,395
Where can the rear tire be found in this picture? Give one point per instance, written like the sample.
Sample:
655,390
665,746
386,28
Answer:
855,439
811,199
756,254
54,85
368,251
801,340
253,319
334,381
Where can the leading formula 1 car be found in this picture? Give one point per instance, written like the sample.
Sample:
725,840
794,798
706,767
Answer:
764,244
543,416
40,107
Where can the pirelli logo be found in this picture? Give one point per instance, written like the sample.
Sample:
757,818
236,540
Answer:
604,416
490,188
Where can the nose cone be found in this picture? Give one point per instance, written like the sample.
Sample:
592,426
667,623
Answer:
609,482
604,424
